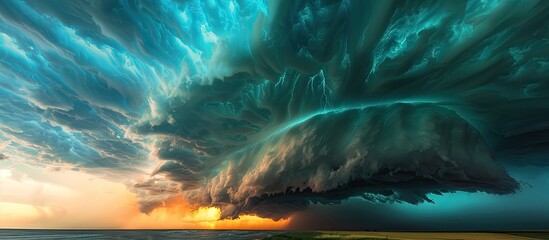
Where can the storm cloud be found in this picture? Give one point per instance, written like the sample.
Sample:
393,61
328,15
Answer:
269,107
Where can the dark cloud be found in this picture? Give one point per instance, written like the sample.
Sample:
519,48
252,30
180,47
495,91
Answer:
400,152
267,108
459,212
411,99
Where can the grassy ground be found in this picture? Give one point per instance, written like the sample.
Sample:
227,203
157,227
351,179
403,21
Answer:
313,235
341,235
535,235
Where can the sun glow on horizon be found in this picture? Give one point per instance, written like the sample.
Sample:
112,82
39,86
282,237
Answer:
177,213
44,200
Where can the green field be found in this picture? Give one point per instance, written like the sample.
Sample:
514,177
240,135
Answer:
409,235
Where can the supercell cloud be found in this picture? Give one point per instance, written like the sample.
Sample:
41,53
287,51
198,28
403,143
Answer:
268,107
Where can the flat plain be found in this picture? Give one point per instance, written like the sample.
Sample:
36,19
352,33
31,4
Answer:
354,235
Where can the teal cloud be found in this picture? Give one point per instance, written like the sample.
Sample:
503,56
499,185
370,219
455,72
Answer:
267,107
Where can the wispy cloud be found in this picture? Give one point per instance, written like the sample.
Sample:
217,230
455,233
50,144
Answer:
2,147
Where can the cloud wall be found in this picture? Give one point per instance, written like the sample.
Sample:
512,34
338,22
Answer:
268,107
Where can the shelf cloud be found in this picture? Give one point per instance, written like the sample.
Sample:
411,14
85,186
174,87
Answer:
266,108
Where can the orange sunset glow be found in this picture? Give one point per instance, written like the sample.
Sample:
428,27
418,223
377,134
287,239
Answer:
57,203
178,214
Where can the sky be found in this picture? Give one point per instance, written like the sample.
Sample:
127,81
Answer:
227,114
